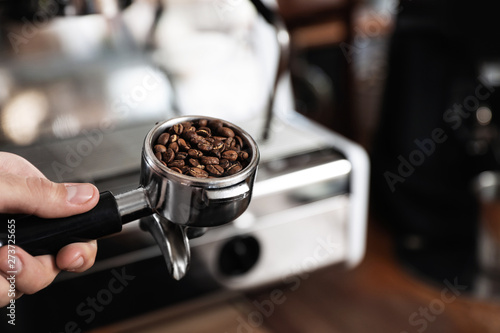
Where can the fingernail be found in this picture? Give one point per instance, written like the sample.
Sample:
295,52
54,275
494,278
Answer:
15,265
78,194
77,263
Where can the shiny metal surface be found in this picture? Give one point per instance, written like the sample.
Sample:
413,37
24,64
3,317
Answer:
173,243
487,188
180,201
133,204
197,202
283,40
488,192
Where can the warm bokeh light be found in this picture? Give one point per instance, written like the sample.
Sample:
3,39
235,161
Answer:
22,116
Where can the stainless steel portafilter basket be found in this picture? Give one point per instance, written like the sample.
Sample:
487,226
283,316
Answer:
170,205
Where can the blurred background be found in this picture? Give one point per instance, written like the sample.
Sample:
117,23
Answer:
375,204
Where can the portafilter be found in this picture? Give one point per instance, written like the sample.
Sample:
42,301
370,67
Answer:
170,205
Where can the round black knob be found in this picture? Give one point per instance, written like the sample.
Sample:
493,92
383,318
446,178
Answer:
239,255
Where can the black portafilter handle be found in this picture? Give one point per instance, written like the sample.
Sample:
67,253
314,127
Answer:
40,236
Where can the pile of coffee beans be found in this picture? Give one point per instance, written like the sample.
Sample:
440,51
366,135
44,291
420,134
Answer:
202,149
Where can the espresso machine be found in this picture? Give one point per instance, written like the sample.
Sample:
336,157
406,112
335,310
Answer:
82,112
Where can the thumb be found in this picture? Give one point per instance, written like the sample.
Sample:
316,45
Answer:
41,197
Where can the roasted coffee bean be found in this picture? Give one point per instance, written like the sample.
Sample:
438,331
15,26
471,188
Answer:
196,139
169,155
176,164
230,155
194,162
183,144
197,172
229,143
204,132
224,163
189,135
216,153
202,122
182,155
215,170
239,140
221,138
160,149
242,155
233,169
226,131
205,146
218,144
215,124
176,169
163,139
209,160
195,153
174,146
178,129
190,148
173,138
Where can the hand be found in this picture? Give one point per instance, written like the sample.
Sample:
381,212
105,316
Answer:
25,190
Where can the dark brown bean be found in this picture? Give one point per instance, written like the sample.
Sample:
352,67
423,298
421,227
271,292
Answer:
189,135
226,131
176,169
190,148
224,163
197,172
239,140
218,144
215,124
229,143
178,129
209,160
195,153
202,122
173,138
205,146
215,153
242,155
233,169
215,170
169,155
163,139
183,144
160,149
197,139
194,162
204,132
182,155
230,155
176,164
174,146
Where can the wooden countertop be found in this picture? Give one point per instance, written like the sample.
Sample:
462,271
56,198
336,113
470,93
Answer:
376,296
